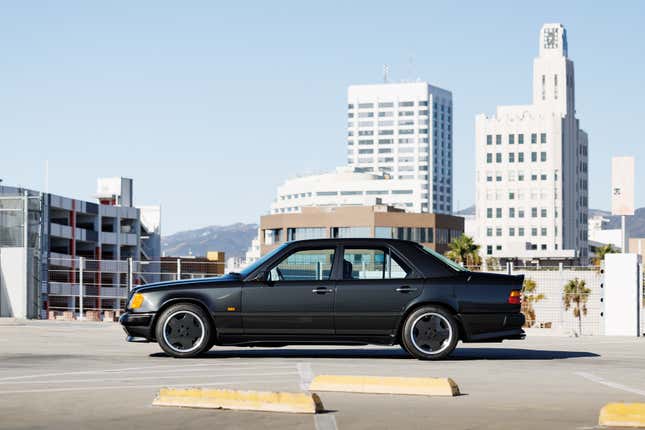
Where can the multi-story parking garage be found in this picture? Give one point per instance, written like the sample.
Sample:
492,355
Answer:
39,263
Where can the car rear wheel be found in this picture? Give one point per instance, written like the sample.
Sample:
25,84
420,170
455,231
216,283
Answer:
184,331
430,333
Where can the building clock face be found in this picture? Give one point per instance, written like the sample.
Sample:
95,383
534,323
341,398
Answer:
551,38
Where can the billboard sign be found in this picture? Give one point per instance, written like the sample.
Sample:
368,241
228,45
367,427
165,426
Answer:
622,186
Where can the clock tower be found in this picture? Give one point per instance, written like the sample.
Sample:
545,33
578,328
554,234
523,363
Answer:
553,79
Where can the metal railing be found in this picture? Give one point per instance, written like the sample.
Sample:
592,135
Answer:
83,288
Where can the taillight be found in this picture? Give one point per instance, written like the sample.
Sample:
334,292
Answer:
515,298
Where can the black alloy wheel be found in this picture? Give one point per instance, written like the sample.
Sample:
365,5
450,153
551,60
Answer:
430,333
184,330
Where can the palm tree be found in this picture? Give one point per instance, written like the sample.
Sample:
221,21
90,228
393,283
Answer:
528,299
575,295
464,250
601,251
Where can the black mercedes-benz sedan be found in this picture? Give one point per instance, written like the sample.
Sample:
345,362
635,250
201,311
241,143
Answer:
332,291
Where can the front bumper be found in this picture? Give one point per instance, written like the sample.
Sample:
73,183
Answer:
138,327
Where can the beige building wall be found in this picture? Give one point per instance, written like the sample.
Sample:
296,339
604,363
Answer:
274,228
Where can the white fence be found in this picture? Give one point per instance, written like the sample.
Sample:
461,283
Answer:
551,314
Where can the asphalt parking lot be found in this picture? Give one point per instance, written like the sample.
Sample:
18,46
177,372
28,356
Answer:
82,375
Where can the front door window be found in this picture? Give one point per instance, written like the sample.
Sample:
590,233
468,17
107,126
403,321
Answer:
305,265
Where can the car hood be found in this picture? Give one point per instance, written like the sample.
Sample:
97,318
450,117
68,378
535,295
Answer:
229,277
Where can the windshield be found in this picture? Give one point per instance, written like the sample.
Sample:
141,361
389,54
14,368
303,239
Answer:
249,269
445,260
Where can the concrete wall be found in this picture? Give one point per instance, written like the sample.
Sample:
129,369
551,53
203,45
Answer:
13,291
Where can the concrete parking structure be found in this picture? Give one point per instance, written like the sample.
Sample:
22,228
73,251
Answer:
61,375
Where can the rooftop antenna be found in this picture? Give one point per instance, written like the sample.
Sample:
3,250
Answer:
46,176
386,70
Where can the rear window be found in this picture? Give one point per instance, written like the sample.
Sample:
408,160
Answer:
448,262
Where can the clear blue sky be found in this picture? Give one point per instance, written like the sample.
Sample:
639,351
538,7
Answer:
208,107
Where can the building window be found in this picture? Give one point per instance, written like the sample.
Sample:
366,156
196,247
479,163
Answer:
489,232
406,104
402,191
498,157
366,151
520,213
498,139
498,232
520,139
385,132
533,137
351,193
542,137
327,193
343,232
365,105
511,195
542,156
489,157
489,212
489,249
366,142
511,139
366,132
534,212
533,156
520,157
511,231
520,231
376,192
543,231
272,236
498,212
511,157
543,212
489,139
305,233
534,231
511,212
386,105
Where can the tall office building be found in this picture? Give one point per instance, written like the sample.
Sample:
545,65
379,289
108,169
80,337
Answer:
404,130
532,185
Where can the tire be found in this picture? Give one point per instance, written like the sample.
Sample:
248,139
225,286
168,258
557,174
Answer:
430,333
184,330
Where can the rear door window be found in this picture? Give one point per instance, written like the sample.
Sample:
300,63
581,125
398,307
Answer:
372,263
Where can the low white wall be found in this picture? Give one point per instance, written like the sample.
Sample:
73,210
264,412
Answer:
13,285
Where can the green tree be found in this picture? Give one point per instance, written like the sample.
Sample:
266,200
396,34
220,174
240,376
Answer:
529,298
464,250
601,251
575,295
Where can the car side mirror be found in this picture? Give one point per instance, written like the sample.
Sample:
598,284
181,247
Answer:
261,276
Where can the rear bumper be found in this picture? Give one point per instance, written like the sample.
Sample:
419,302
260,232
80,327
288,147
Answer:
492,327
138,327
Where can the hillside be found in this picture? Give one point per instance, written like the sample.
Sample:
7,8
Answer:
233,239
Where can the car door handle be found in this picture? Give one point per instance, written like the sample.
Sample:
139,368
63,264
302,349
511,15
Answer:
322,290
405,289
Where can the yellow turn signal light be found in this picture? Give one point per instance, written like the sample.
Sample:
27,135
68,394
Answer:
136,301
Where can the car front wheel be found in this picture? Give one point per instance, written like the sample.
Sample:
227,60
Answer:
184,331
430,333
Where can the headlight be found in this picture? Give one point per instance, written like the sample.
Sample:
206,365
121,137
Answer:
136,301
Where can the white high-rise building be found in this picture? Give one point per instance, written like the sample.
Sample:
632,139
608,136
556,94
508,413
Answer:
404,130
348,186
532,185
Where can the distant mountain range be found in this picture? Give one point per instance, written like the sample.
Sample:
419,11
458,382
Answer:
635,224
233,239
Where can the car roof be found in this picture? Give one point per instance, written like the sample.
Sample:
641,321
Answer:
350,240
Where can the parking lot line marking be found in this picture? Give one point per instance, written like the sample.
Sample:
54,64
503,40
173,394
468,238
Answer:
306,375
122,386
325,422
142,378
177,367
615,385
